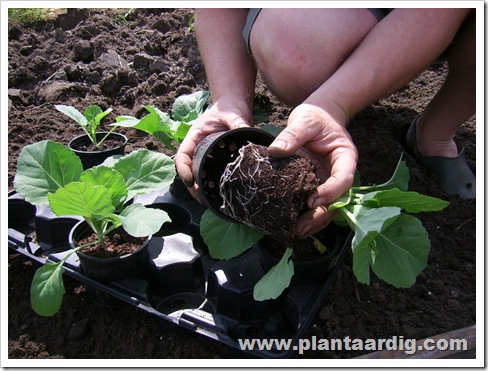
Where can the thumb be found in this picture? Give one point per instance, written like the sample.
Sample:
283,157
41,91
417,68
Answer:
286,143
238,122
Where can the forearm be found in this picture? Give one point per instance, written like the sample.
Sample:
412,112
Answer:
229,68
396,51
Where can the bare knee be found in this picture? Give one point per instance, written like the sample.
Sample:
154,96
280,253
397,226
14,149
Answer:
296,50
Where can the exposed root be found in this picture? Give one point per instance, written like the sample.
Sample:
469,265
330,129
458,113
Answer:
266,193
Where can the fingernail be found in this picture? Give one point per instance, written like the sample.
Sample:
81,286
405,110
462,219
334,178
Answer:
280,144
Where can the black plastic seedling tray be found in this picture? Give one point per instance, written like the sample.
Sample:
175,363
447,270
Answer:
184,288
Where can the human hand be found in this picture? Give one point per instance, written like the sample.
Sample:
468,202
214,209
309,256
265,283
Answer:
225,114
316,134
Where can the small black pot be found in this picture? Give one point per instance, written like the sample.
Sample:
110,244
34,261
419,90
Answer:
94,158
310,271
212,156
106,270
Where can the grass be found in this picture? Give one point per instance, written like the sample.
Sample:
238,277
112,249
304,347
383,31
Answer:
28,16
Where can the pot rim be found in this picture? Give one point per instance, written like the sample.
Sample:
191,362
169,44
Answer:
83,137
83,223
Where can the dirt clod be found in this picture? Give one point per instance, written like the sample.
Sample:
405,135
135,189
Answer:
267,193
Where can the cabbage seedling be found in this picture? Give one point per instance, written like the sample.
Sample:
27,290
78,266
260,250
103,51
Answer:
165,127
49,173
89,121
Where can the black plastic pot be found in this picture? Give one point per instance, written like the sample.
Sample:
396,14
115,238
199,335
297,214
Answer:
310,271
106,270
212,156
94,158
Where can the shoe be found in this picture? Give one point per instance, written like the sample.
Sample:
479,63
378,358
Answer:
452,173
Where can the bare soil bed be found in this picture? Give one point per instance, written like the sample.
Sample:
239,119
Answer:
97,57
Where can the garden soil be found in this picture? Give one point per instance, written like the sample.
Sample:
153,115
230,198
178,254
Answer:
149,56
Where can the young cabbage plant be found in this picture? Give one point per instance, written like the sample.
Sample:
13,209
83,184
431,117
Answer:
168,128
89,121
49,173
387,239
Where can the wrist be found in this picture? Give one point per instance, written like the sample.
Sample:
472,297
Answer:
234,103
330,108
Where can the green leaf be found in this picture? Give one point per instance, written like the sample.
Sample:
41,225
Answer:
126,121
411,202
342,201
145,171
140,221
82,199
188,107
43,167
154,124
321,248
181,132
99,117
402,250
226,240
361,262
367,222
110,179
277,279
399,179
260,115
47,289
74,114
91,114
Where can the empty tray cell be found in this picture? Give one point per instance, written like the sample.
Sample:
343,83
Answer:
176,265
52,231
21,215
231,283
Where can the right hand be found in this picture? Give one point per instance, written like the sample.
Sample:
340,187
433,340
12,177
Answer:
320,135
226,113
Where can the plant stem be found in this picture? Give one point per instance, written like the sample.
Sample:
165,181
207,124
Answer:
62,261
105,137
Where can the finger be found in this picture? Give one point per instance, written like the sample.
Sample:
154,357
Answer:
333,188
313,221
186,151
183,168
238,122
183,158
287,142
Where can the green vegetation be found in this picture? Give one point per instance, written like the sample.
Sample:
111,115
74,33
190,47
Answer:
28,16
387,240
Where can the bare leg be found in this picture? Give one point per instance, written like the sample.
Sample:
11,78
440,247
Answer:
296,50
455,103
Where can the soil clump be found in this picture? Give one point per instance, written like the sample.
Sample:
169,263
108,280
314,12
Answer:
267,193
